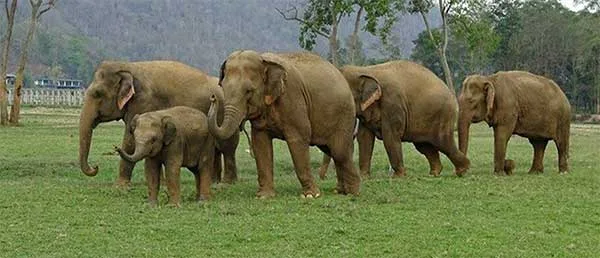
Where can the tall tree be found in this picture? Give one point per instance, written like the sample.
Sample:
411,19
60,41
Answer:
10,21
36,13
322,18
445,6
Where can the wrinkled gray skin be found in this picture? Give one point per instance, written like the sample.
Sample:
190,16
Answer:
156,85
174,138
400,101
520,103
296,97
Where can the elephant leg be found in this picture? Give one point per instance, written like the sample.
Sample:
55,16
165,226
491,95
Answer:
324,166
262,145
393,147
299,150
347,174
432,155
562,146
126,167
501,136
230,145
217,167
172,169
459,160
152,169
539,147
366,140
204,175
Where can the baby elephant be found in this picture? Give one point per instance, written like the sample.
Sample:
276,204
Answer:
175,137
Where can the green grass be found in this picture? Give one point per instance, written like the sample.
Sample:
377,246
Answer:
48,208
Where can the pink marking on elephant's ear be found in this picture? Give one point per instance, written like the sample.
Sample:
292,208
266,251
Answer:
122,101
374,97
269,100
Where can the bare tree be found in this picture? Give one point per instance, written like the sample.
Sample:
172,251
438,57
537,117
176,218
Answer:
423,7
36,13
10,21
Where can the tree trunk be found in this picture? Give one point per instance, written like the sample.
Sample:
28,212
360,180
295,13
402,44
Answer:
10,17
354,50
448,74
333,49
15,110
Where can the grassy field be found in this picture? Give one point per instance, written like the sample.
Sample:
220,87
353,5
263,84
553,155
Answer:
48,208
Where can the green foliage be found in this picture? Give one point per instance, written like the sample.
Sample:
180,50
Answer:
381,16
318,18
542,37
50,209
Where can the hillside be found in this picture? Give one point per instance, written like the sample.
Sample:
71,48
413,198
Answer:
75,36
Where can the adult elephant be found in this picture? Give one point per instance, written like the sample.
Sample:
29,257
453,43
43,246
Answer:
296,97
521,103
121,90
402,101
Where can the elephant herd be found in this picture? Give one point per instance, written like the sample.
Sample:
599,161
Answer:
177,116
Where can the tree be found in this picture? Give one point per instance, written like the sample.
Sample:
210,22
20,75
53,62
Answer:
36,13
322,18
10,21
445,6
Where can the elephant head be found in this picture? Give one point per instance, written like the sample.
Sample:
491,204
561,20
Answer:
105,100
367,93
476,103
150,134
250,82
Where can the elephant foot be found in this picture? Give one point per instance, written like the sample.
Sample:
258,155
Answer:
461,171
435,173
203,197
311,192
152,203
123,184
365,174
509,166
265,193
500,173
173,205
399,174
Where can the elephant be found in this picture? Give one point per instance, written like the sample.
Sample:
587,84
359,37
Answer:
401,101
121,90
175,137
296,97
521,103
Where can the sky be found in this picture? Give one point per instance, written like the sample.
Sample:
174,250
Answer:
571,5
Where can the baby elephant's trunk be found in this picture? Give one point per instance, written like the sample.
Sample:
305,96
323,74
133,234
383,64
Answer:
138,155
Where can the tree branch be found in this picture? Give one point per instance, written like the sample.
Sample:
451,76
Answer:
50,5
295,18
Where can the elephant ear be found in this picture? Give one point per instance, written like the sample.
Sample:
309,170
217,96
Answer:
169,129
222,73
126,89
370,93
490,95
275,78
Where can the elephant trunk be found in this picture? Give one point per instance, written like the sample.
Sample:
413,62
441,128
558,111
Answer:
464,124
231,120
139,154
87,122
